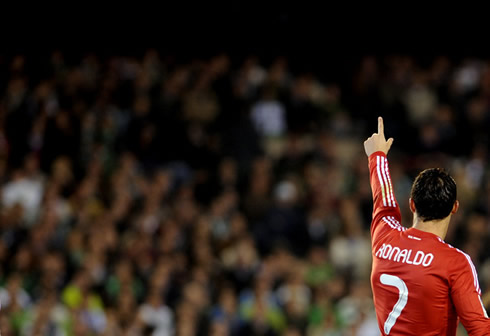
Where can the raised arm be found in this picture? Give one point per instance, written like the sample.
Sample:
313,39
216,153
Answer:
386,212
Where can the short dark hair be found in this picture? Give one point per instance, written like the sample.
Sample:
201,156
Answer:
434,193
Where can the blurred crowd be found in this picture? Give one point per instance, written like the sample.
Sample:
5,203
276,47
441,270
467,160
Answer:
144,195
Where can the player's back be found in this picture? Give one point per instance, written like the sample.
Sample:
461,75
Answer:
421,285
411,282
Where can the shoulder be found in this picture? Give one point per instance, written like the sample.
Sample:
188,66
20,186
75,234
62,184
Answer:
457,260
452,253
462,270
456,254
384,226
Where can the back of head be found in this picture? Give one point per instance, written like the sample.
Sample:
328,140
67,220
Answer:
434,193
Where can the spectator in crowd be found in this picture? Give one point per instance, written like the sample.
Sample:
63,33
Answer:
154,196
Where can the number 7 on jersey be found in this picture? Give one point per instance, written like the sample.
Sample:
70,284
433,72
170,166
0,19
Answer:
392,280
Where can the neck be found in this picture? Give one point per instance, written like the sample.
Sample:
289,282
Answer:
438,227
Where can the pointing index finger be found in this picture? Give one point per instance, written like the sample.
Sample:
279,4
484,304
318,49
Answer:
380,126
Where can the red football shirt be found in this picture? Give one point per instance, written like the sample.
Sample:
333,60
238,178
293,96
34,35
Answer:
421,285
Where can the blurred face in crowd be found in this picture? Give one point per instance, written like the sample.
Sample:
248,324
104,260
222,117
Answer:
124,146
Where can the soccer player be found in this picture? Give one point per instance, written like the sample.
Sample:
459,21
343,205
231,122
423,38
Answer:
421,285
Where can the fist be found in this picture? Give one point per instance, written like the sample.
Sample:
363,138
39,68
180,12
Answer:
377,141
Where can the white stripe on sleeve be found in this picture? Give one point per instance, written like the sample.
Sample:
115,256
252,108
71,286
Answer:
381,183
391,224
389,186
385,181
473,270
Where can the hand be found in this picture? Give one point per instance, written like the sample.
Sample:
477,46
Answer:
377,141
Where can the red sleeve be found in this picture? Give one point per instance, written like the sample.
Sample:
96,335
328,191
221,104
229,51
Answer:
386,212
466,296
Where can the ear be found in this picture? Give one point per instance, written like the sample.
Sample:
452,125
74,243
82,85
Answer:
411,203
455,207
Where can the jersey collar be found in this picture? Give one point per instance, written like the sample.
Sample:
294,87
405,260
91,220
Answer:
419,233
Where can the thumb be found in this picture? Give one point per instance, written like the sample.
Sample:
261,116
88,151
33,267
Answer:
390,142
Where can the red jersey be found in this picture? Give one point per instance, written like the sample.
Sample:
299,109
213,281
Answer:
421,285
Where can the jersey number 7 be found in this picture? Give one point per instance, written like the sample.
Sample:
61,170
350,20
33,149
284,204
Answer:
392,280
